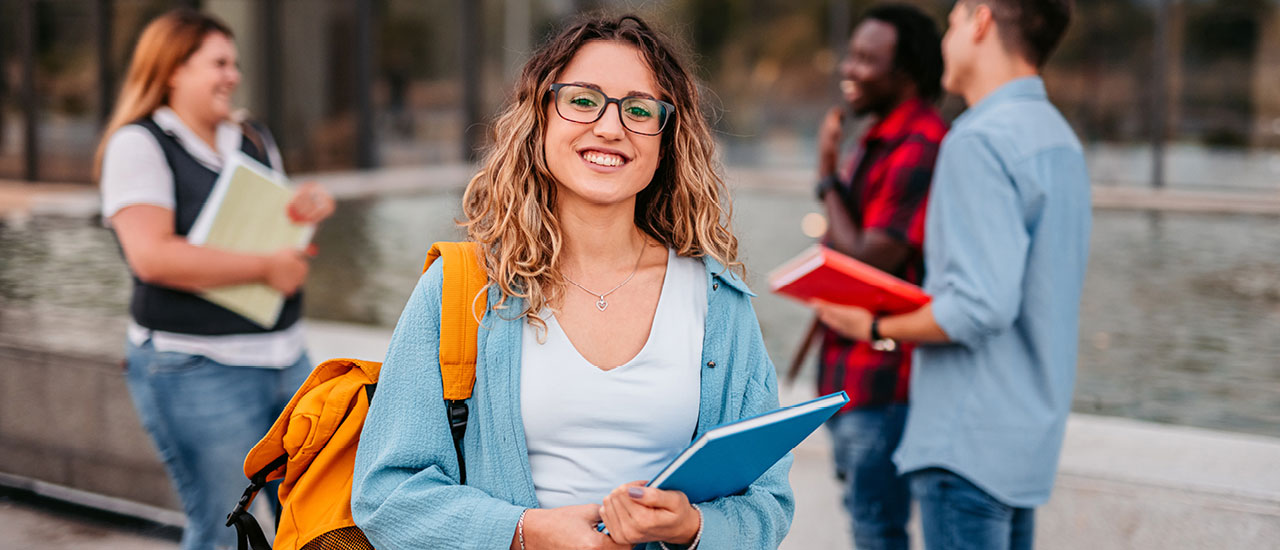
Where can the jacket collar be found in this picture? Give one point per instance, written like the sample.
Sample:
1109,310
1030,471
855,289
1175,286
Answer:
717,272
1031,87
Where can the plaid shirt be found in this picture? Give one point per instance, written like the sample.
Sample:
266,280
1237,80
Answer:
886,186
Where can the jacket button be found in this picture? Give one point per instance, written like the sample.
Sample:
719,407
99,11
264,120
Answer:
715,286
711,364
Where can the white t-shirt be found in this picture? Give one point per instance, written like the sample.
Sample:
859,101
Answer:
134,171
588,430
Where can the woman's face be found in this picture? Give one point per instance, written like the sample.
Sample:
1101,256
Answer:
602,163
202,86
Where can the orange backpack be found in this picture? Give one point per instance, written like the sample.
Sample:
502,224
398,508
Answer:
312,445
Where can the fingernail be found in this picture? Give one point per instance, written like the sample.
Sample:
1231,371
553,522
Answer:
635,492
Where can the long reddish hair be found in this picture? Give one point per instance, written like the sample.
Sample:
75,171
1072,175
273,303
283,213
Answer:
166,43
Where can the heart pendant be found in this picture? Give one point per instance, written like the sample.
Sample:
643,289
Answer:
601,304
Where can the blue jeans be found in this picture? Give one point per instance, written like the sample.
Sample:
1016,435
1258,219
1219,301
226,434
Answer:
877,498
957,515
204,417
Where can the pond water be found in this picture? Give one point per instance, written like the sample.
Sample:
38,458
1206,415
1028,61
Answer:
1180,321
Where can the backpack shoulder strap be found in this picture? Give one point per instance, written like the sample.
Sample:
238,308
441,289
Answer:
463,301
464,289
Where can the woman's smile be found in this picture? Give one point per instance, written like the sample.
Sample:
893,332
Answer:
603,160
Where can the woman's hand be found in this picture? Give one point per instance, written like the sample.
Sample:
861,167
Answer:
567,527
286,270
849,321
636,514
310,204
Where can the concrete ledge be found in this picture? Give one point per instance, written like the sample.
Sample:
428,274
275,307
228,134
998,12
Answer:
68,421
163,516
1130,484
1239,467
1170,200
1104,515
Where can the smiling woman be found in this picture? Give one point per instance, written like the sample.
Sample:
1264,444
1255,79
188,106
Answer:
617,334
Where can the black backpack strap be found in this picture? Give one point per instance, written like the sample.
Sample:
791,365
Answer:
249,535
457,410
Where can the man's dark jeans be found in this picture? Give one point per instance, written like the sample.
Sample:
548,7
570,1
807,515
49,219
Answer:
877,498
957,515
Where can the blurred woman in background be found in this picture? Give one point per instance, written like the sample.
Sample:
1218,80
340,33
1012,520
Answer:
207,383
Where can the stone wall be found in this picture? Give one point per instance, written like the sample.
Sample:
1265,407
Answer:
67,420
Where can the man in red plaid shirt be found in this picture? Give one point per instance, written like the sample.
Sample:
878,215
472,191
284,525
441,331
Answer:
891,73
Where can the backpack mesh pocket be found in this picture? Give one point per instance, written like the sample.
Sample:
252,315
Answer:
346,538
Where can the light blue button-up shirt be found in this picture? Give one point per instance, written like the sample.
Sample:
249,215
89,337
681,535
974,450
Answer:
1006,242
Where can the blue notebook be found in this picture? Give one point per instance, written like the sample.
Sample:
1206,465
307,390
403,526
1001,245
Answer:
729,458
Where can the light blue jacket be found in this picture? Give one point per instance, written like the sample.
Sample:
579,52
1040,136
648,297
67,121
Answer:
406,493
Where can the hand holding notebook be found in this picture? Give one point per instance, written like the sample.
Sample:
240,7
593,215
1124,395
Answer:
727,459
820,273
246,212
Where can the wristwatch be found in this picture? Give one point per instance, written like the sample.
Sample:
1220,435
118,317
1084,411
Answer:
828,183
878,342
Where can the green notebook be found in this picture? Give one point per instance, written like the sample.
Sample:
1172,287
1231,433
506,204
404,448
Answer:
246,212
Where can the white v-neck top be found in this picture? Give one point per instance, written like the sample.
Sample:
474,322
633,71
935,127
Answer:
589,430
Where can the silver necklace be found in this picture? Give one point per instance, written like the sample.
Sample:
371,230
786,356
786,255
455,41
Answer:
601,302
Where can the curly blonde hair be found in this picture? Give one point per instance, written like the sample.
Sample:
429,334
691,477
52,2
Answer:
509,206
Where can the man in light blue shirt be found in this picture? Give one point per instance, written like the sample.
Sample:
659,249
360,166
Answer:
1006,242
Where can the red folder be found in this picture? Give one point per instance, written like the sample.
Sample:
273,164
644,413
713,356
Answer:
827,275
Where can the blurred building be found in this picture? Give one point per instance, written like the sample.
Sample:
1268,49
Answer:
355,84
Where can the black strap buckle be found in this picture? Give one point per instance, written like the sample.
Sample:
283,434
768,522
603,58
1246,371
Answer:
249,535
457,417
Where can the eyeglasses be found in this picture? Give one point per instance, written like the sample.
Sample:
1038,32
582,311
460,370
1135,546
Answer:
641,115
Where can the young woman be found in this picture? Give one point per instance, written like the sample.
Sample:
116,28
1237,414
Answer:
207,383
614,333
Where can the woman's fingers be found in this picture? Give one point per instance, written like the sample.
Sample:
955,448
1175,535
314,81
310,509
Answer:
619,525
636,514
655,498
311,203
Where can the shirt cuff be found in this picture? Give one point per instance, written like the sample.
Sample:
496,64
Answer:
951,317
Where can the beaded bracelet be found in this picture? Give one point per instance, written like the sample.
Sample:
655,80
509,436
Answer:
520,528
696,538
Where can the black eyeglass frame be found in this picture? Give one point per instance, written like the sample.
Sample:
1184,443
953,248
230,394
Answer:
670,110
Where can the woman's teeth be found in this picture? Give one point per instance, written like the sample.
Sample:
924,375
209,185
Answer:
603,159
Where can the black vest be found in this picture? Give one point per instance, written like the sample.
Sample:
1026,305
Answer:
171,310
